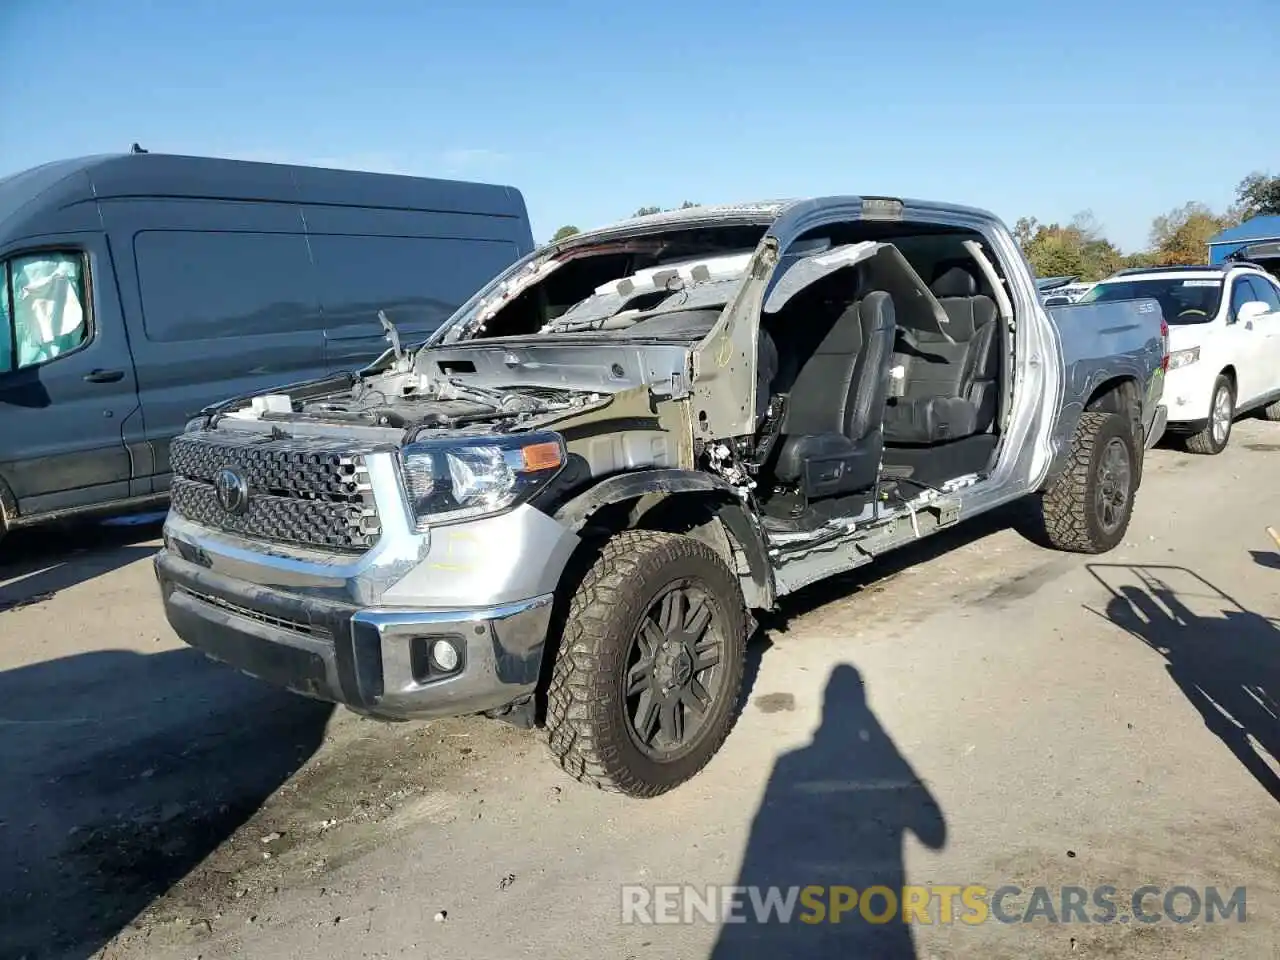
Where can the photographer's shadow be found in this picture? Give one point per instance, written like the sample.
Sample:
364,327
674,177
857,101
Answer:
1228,665
835,814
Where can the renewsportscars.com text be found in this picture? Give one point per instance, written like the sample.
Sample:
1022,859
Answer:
942,904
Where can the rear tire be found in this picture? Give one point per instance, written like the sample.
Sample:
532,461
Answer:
1087,508
1271,411
657,628
1213,439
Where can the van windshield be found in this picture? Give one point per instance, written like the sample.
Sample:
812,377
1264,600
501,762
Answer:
1182,299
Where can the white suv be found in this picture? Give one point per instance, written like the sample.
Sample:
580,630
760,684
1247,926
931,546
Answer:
1224,343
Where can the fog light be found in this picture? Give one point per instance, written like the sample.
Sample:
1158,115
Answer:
444,655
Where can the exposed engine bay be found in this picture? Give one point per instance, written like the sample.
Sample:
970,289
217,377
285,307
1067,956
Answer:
416,404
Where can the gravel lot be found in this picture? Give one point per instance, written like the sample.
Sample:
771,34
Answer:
980,711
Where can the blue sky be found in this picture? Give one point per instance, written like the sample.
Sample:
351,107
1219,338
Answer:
1127,108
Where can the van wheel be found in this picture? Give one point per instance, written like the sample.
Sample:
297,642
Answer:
1271,411
649,670
1222,408
1088,506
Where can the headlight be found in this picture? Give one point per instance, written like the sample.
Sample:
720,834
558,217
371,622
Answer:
1182,358
453,479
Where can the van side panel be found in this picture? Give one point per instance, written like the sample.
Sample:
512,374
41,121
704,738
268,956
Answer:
219,299
419,267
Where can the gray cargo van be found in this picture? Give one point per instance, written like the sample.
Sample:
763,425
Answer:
139,288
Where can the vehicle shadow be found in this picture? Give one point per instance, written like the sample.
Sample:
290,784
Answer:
37,563
835,814
1227,663
122,772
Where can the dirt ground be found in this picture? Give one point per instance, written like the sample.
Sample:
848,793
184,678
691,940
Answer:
976,711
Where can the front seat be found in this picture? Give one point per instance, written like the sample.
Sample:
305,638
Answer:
950,387
831,433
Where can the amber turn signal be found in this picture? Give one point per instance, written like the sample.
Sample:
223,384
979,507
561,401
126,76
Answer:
540,456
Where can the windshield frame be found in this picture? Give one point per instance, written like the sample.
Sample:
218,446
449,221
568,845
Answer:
620,235
460,317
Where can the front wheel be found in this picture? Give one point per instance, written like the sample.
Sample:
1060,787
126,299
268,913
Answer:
1087,508
646,681
1222,410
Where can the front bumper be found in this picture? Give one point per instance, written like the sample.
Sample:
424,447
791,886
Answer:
375,660
1188,392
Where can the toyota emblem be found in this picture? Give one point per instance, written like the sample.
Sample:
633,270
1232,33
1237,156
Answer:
232,491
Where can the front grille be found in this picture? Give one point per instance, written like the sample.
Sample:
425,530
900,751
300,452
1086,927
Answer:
302,490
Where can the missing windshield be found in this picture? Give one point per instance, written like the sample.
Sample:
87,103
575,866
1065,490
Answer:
575,290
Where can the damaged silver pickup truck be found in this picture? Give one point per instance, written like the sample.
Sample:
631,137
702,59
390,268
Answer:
565,506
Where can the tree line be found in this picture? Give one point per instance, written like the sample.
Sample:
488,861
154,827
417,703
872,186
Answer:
1080,247
1177,238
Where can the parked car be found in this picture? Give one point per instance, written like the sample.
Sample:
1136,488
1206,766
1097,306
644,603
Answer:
138,289
565,506
1060,291
1265,254
1224,341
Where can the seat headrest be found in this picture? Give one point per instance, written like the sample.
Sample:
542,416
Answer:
877,307
954,281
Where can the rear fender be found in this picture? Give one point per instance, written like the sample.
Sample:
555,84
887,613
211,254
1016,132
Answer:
1116,394
1104,344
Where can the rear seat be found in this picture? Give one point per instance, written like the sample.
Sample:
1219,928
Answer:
950,389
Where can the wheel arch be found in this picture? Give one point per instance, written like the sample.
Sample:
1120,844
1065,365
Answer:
1120,394
688,502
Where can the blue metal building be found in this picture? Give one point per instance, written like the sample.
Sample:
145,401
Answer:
1263,231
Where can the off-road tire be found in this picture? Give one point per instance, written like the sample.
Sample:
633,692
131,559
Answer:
1203,442
1069,518
587,724
1271,411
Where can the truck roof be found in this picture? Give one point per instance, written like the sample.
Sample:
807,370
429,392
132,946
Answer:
757,213
61,184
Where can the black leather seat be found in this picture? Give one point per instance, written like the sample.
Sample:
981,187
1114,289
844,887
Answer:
951,387
831,437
